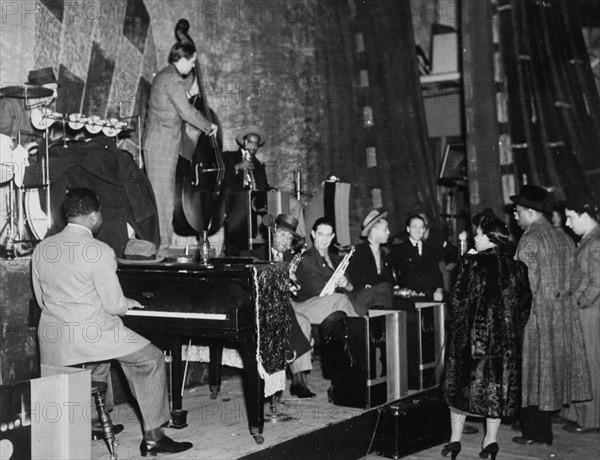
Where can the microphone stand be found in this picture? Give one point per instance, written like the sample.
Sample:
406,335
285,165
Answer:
278,417
46,170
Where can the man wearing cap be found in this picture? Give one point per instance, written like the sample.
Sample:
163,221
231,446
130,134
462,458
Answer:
243,170
75,283
283,237
369,268
555,370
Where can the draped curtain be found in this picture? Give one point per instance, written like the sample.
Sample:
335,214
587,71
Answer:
366,54
553,103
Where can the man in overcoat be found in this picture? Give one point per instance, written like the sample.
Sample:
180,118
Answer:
555,369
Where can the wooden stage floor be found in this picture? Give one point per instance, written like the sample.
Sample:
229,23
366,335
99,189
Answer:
218,429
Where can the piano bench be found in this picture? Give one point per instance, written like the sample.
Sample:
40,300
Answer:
98,392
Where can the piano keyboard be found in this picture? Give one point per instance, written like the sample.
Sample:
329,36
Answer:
177,314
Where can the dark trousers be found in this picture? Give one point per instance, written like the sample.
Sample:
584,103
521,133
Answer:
378,296
536,424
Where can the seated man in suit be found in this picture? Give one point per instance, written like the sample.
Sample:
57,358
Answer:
314,271
369,270
417,262
283,237
75,283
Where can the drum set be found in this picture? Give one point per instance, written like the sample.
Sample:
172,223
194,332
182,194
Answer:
24,204
43,118
25,210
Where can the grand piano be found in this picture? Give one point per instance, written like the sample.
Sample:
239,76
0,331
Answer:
216,304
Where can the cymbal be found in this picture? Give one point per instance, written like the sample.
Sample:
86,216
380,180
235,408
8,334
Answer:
26,91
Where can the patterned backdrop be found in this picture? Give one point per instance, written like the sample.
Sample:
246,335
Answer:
102,53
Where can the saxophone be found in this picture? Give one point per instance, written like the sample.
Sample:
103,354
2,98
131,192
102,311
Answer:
337,274
294,286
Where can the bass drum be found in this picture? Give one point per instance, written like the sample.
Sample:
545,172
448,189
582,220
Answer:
37,219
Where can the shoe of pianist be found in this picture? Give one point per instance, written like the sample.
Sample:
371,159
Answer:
164,445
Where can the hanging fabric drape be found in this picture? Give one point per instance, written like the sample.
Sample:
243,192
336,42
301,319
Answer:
367,57
553,103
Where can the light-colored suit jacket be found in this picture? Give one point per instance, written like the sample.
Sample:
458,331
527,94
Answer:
76,285
168,108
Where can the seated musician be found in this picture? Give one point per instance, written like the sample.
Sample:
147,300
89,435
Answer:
369,270
76,285
417,262
314,271
283,238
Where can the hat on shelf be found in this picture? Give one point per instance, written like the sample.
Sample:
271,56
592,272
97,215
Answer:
140,252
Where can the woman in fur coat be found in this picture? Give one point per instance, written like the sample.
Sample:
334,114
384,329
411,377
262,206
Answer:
489,308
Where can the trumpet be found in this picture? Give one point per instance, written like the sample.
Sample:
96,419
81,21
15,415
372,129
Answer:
337,274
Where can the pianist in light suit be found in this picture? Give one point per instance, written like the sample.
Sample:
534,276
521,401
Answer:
76,285
284,236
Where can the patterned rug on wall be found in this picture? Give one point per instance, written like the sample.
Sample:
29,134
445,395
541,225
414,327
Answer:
103,55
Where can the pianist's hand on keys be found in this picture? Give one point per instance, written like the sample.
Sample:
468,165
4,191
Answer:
135,305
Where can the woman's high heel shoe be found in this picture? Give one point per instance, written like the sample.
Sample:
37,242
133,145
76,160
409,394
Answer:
490,450
451,447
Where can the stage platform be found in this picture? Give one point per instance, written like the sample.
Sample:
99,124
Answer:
218,429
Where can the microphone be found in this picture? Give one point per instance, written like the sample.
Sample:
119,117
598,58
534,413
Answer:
268,220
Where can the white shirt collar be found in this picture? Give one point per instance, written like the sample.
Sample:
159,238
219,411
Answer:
71,224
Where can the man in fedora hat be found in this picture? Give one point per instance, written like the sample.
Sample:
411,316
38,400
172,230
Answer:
244,171
369,269
75,284
554,365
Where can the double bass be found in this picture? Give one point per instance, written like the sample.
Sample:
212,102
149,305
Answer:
200,197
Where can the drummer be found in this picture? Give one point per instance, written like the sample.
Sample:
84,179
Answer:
14,116
14,119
